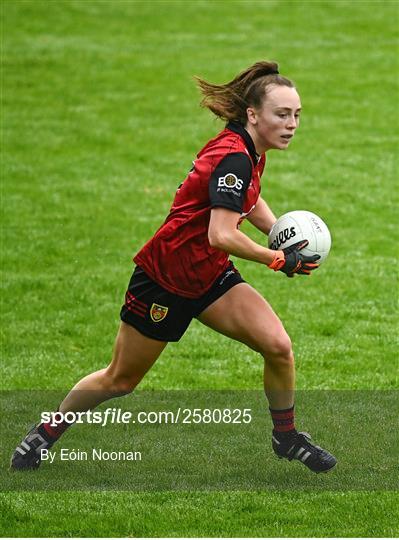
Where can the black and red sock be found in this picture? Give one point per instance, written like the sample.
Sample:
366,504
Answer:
283,423
53,432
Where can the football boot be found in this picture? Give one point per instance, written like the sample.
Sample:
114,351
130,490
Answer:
28,454
302,449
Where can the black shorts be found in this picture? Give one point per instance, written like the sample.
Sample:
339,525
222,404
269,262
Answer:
160,314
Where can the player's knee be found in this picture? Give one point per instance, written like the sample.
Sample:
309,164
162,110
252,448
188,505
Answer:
279,349
120,385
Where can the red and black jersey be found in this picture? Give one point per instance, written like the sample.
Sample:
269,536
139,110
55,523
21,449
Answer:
225,174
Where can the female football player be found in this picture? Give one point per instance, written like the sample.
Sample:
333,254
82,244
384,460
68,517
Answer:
184,270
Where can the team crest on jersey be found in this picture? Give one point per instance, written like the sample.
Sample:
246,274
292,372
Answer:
158,313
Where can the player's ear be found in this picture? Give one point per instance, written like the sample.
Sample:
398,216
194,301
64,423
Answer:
251,115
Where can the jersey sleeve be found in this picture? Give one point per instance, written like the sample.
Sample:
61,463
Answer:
229,182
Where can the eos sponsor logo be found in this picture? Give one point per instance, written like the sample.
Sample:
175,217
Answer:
230,180
282,237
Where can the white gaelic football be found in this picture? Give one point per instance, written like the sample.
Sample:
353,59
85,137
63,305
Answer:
301,225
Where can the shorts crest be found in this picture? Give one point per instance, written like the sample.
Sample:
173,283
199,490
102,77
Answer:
158,313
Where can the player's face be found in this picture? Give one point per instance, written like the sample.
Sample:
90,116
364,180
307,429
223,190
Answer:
274,125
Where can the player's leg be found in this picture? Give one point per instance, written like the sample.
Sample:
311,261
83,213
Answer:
133,356
147,326
244,315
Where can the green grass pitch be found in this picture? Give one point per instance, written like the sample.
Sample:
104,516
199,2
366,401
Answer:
100,123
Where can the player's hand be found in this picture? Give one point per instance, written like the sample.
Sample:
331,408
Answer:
291,261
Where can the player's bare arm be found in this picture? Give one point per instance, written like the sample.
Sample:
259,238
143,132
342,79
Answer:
262,216
224,234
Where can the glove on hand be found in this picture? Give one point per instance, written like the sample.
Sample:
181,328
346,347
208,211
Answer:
291,262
